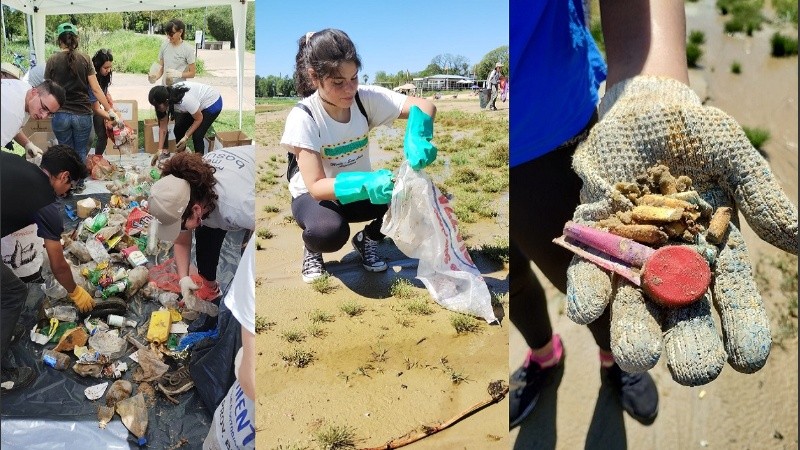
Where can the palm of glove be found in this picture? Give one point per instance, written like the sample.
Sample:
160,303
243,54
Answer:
649,121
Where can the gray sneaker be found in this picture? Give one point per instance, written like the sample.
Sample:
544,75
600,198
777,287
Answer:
313,265
368,249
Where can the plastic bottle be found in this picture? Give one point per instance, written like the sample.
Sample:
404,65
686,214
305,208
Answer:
159,326
96,250
119,321
56,360
63,313
116,288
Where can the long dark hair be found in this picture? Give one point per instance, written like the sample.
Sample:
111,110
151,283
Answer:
101,57
324,51
171,95
175,25
69,40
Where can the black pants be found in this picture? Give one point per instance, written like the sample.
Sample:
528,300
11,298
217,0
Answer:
184,120
102,134
207,247
325,223
13,293
543,194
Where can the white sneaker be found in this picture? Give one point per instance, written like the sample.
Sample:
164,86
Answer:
313,265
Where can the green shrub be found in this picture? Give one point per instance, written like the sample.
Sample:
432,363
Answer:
783,45
736,67
757,136
693,54
697,37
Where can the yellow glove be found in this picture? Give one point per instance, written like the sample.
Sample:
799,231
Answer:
82,299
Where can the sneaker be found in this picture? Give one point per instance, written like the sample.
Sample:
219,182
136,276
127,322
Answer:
14,378
526,385
177,382
367,248
637,393
313,265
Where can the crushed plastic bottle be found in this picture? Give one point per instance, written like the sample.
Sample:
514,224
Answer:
56,360
63,313
97,250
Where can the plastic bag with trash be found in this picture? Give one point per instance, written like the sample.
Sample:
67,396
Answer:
422,225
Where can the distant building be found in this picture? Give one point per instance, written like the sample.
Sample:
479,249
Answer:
445,83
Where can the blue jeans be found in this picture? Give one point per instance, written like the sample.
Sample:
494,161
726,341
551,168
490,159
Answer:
73,130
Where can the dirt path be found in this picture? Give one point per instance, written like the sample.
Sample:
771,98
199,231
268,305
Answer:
736,410
385,371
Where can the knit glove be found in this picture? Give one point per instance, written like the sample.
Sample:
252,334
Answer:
374,186
83,301
181,145
32,151
417,141
171,75
646,121
188,286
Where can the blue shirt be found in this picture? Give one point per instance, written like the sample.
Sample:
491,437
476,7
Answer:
557,70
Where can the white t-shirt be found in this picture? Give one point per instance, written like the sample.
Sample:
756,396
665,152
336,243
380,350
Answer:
176,58
22,251
12,111
342,146
236,180
241,296
197,98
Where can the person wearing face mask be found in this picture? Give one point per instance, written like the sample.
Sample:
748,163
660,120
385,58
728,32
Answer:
59,171
176,57
331,179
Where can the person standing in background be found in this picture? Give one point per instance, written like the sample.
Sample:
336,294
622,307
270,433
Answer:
177,58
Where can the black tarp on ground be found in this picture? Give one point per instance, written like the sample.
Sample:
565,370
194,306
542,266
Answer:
54,413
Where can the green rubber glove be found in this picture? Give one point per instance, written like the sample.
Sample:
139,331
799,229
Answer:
417,142
375,186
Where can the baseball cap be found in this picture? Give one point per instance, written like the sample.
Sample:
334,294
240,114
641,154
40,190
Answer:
66,26
169,197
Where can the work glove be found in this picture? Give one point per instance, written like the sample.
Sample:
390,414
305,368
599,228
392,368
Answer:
32,151
645,121
417,142
83,301
354,186
152,78
115,118
188,286
181,145
171,75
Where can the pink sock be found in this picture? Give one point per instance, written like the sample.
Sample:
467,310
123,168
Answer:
550,359
606,360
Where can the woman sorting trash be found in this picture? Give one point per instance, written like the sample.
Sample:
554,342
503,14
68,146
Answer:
332,183
194,106
102,61
74,71
176,57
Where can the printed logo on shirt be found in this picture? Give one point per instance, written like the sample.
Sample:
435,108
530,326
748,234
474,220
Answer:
345,154
221,158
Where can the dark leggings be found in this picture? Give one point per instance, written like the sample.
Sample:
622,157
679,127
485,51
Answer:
184,120
207,248
325,223
13,293
543,193
101,132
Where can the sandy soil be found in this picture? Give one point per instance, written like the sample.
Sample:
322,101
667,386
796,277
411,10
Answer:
755,411
384,372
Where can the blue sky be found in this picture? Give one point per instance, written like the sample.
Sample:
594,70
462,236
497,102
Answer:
389,35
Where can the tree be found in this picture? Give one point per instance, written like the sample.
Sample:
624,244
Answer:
15,23
487,63
455,64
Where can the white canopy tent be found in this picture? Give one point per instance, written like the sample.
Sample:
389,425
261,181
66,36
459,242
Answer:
39,9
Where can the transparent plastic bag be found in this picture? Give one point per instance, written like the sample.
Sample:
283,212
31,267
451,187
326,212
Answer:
423,225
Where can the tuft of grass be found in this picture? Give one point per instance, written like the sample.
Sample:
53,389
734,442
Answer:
287,220
418,306
351,308
401,288
337,437
263,324
293,336
697,37
693,54
298,358
404,321
736,67
497,252
264,233
757,136
323,284
463,323
410,363
316,331
379,355
783,45
271,209
259,245
320,316
498,299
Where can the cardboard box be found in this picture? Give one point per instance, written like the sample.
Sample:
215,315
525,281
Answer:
231,139
128,110
37,126
151,136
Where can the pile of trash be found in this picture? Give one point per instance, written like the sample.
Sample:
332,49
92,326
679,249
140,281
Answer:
139,319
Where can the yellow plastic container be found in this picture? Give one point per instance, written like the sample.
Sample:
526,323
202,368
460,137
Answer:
158,331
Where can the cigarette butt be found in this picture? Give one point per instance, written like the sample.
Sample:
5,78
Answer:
694,198
629,190
644,213
683,183
666,202
675,229
646,234
719,224
665,181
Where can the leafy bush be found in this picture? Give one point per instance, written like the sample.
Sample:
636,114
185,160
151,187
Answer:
736,67
697,37
783,45
757,136
693,54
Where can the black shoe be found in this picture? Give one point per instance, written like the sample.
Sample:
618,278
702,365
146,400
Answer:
526,385
14,378
19,332
368,249
637,393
